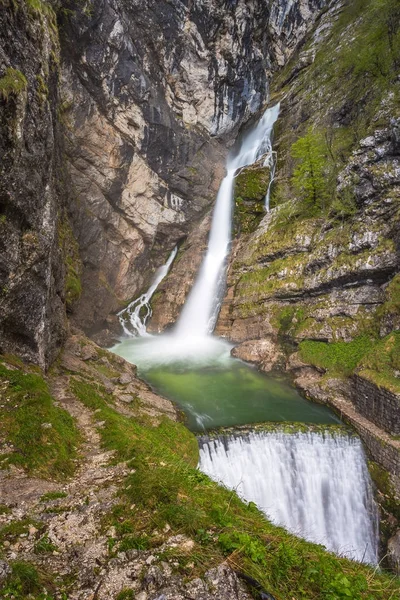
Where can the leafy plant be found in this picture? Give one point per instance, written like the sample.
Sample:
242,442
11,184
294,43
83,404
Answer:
310,175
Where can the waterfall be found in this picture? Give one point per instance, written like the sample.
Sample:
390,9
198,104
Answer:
134,318
200,312
316,485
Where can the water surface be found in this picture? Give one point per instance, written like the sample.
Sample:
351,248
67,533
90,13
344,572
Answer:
214,389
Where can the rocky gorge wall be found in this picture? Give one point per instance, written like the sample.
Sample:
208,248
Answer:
126,131
32,197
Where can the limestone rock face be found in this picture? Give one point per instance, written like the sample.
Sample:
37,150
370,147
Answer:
154,92
32,311
394,552
149,97
265,353
319,281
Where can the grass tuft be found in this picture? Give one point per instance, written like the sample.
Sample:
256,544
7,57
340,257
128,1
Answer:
40,437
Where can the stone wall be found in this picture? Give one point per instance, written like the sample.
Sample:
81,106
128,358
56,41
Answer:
377,404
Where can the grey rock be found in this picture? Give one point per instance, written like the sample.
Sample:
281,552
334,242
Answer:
5,570
395,135
394,552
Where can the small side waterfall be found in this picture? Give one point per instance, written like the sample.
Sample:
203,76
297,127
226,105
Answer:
134,318
315,485
271,156
200,312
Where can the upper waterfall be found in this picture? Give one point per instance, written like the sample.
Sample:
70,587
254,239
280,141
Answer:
200,312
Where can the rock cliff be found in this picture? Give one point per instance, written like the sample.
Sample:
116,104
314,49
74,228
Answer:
126,132
32,310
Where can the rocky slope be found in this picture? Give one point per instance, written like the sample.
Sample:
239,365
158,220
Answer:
117,508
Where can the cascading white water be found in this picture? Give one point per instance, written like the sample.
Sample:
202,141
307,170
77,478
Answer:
134,318
270,161
315,485
200,311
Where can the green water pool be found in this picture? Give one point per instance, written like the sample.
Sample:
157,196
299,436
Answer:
213,389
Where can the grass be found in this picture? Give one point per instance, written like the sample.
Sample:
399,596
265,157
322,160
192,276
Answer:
52,496
15,529
12,83
44,545
337,357
165,489
382,364
43,436
25,582
376,360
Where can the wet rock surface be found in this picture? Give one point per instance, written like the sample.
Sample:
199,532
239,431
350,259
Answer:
163,105
32,312
327,281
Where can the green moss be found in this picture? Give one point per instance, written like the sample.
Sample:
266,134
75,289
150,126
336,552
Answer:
382,364
391,305
73,263
52,496
336,357
282,275
43,436
42,89
249,196
13,83
387,498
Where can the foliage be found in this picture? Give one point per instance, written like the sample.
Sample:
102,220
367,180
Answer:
310,176
73,263
126,595
52,496
44,545
25,582
43,436
337,357
382,363
12,83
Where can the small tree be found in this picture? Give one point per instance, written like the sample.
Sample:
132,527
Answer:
310,178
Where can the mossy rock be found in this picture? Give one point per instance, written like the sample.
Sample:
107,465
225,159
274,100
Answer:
251,186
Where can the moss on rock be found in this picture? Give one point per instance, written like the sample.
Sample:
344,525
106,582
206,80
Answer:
251,185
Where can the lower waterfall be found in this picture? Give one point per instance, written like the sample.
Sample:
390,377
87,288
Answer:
315,485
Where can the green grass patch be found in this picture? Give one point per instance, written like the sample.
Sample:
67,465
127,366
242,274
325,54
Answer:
52,496
337,357
15,529
12,83
43,436
25,582
44,545
382,364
